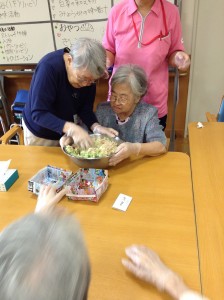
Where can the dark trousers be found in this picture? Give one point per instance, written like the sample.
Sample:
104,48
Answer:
162,121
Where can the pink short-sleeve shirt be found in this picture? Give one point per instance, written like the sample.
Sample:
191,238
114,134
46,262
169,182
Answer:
121,39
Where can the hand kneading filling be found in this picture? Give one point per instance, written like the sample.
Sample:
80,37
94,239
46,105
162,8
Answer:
102,147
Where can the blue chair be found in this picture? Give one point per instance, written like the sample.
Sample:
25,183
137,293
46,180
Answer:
18,105
219,117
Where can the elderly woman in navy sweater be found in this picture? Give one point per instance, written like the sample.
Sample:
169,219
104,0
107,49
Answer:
136,122
63,88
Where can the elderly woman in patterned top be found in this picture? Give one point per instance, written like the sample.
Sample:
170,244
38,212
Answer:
136,121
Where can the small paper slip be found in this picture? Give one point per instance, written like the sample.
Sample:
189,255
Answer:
122,202
200,125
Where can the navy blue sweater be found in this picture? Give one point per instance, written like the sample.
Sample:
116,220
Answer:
54,101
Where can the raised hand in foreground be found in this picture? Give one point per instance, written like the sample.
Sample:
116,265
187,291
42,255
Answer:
146,265
48,198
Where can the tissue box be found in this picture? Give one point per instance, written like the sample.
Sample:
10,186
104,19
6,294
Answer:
7,180
48,175
87,184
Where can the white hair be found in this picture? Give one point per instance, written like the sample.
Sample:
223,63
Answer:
89,54
43,257
132,75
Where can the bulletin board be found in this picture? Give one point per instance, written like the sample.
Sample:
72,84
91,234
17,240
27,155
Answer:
31,28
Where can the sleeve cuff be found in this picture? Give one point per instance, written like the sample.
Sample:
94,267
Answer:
192,296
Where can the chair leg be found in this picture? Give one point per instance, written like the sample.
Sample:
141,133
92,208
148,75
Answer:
3,125
5,106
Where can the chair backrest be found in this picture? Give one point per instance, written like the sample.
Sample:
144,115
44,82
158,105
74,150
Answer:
16,130
220,116
211,117
216,117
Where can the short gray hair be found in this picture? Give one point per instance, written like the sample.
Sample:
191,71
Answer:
43,257
89,54
132,75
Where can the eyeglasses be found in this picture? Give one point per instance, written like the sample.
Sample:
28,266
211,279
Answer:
122,99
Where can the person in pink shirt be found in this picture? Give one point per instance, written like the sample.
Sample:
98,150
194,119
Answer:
147,33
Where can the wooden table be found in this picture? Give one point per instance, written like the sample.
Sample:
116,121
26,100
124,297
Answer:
160,216
207,163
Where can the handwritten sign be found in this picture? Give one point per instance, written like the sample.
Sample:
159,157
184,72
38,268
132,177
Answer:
25,44
66,33
31,28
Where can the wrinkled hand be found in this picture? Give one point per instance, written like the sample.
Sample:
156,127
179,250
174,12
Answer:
80,137
48,198
182,60
124,151
146,265
65,140
105,130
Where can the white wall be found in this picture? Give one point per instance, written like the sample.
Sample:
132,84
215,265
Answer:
187,18
207,49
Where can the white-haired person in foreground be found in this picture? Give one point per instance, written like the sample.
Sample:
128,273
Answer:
44,257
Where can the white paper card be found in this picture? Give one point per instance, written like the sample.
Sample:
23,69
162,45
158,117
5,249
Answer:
122,202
